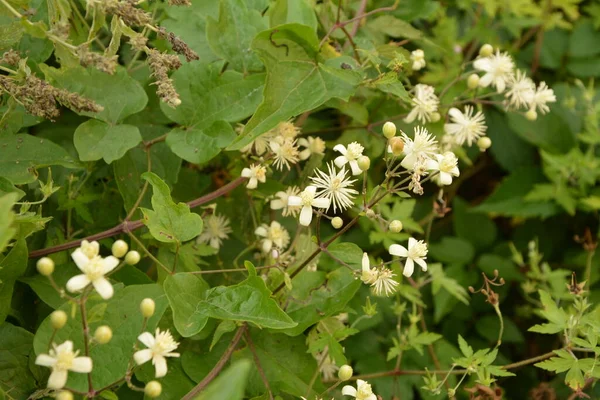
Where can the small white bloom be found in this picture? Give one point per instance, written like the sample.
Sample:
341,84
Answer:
93,270
542,95
498,70
281,201
284,151
423,146
260,144
160,346
256,173
465,127
418,59
62,359
326,365
312,145
384,284
425,104
363,391
368,275
335,186
287,130
416,253
273,235
350,156
307,200
216,229
447,165
521,89
90,249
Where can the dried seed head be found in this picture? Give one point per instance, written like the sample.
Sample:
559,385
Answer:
101,62
180,3
178,45
130,15
10,57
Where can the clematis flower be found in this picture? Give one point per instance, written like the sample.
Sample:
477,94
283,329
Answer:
542,95
447,166
425,104
416,253
363,391
61,360
312,145
418,59
498,70
422,147
273,235
160,346
280,202
256,173
465,127
335,186
350,155
307,200
94,270
216,229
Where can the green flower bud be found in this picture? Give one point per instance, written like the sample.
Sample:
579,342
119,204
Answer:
153,389
58,319
64,395
337,222
45,266
397,145
531,115
389,130
103,334
395,226
119,248
364,163
345,372
484,143
132,258
473,81
147,307
486,50
435,117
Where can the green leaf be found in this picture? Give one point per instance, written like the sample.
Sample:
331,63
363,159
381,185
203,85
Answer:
96,139
452,250
550,132
464,347
395,27
223,328
476,228
169,222
23,154
11,268
557,317
123,316
293,11
7,186
16,379
207,95
567,362
441,280
200,145
230,384
174,385
231,35
584,40
296,81
347,252
185,292
7,216
119,94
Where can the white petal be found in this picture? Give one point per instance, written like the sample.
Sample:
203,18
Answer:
366,264
454,171
311,189
267,245
81,260
411,116
349,391
355,168
252,183
246,173
261,231
305,216
160,365
110,263
77,283
67,347
371,397
57,379
340,161
455,113
421,263
341,148
294,201
409,161
411,242
409,268
147,339
486,80
304,154
500,85
321,202
445,178
82,365
398,250
103,287
142,356
432,165
482,64
45,360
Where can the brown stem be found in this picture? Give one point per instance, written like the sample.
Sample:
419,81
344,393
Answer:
218,367
144,188
261,372
128,226
539,40
86,337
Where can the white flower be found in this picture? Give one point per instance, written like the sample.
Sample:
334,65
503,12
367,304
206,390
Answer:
160,345
287,130
521,89
423,146
368,275
335,186
465,127
542,95
90,249
498,70
285,152
281,201
418,59
326,365
307,200
273,235
62,359
93,269
447,165
256,173
312,145
260,144
362,391
216,229
349,155
384,284
425,104
416,253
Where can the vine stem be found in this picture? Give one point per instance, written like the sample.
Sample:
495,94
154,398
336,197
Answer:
261,371
218,367
128,226
86,337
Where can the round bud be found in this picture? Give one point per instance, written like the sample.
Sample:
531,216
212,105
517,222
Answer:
64,395
364,163
435,117
473,81
58,319
337,222
103,334
119,248
370,213
275,254
45,266
486,50
176,102
389,130
531,115
153,389
345,372
147,307
395,226
132,258
484,143
397,145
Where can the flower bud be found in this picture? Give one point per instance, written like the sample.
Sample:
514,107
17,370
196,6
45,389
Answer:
275,254
103,334
64,395
176,101
486,50
132,258
435,117
147,307
395,226
370,213
484,143
473,81
153,389
451,393
119,248
397,145
531,115
364,163
337,222
58,319
45,266
389,130
345,372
